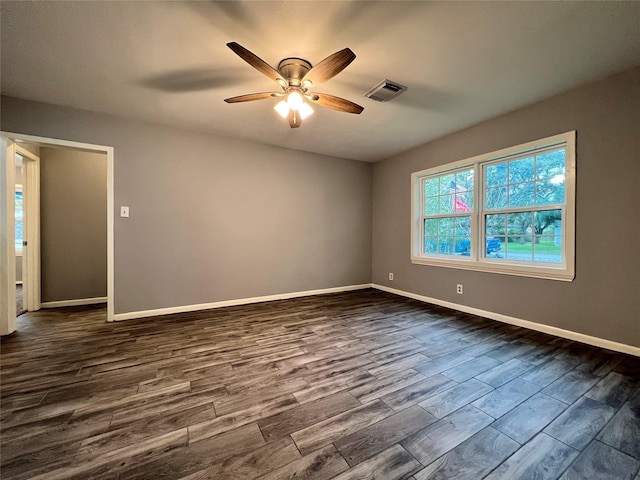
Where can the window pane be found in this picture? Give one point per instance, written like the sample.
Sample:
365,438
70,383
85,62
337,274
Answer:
463,246
462,204
463,190
430,245
18,204
431,205
445,183
496,175
547,249
431,187
468,199
495,247
445,226
547,222
464,179
445,246
548,191
19,213
521,195
495,225
519,248
519,223
550,165
430,227
448,245
446,204
496,198
521,170
463,226
19,234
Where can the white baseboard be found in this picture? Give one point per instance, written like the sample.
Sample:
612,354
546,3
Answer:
231,303
74,303
558,332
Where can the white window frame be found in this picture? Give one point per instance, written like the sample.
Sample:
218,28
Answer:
477,260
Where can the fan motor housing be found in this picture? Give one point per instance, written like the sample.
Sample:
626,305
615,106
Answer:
294,69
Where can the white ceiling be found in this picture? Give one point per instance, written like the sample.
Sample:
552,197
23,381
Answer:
167,62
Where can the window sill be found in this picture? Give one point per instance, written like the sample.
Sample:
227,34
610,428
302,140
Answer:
560,273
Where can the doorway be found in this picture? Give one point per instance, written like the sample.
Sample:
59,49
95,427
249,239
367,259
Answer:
12,143
27,228
19,240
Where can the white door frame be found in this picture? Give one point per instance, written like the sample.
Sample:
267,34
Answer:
8,148
7,237
31,229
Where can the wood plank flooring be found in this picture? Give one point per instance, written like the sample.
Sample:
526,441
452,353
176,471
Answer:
358,385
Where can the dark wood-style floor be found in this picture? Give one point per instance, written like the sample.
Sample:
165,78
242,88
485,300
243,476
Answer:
357,385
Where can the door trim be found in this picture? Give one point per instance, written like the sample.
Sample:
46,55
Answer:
7,236
31,254
7,204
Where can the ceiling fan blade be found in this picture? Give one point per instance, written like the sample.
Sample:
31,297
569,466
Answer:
329,67
257,63
251,96
335,103
294,119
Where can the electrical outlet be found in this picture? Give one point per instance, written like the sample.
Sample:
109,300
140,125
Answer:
390,276
459,290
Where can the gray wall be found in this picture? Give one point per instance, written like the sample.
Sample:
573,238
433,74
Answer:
604,299
216,219
73,224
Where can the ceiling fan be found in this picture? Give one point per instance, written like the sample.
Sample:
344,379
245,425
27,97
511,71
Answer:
296,76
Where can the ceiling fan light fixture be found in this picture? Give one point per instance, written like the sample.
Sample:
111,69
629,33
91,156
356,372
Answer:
282,107
305,110
296,76
294,100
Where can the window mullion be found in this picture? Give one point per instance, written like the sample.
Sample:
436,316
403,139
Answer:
533,208
477,207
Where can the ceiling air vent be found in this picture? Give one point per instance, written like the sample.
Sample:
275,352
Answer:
385,91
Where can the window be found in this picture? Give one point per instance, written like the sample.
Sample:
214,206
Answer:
508,212
19,220
448,203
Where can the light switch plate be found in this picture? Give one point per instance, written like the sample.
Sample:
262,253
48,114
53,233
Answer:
124,212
